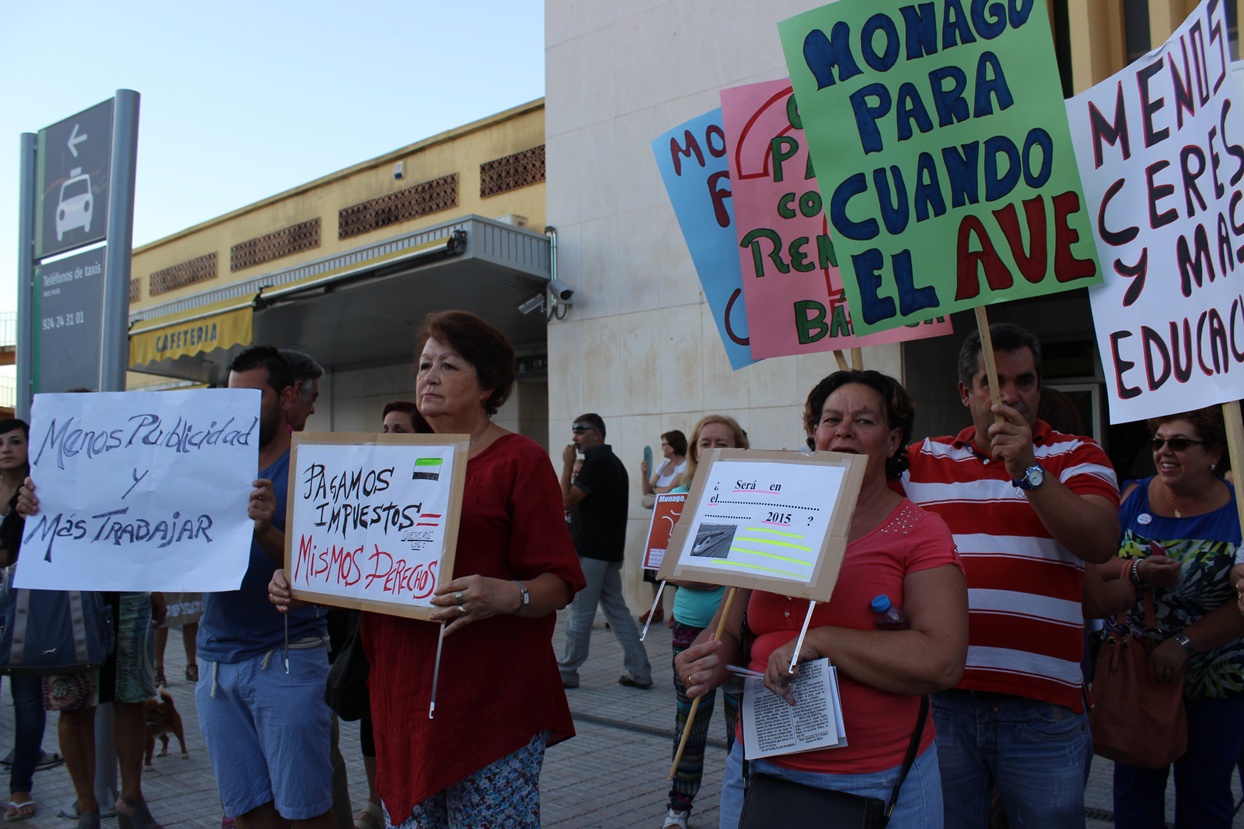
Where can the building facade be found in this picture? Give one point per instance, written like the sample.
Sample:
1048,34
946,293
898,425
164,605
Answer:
347,266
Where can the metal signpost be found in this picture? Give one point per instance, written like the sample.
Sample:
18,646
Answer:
77,189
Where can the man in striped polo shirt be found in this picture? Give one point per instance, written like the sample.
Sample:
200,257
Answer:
1028,507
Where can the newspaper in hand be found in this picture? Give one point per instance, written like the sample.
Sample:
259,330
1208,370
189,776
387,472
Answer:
772,726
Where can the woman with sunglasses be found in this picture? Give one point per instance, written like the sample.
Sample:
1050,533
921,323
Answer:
1180,537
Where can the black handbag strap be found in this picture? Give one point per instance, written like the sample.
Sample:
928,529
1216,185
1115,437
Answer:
910,758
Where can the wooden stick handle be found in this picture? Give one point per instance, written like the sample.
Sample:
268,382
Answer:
1235,449
695,703
991,365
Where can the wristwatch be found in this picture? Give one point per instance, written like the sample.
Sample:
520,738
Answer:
1034,476
526,597
1185,642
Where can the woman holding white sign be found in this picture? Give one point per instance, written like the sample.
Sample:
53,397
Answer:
895,548
500,700
694,607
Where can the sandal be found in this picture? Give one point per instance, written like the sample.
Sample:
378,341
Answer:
17,810
160,681
370,818
139,816
192,672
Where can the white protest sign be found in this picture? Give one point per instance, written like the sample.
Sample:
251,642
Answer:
141,490
1160,147
775,521
373,520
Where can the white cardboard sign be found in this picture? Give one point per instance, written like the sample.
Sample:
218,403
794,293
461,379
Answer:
373,519
1160,147
141,490
767,520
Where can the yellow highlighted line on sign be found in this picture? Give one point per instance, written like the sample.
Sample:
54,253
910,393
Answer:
774,532
798,561
746,566
777,543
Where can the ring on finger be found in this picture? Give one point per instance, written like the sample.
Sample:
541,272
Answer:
458,597
462,611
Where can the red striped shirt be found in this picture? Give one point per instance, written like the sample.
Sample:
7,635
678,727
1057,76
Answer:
1024,588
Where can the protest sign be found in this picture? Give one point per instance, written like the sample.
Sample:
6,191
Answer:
767,520
692,159
791,284
374,519
940,142
1161,152
665,514
141,490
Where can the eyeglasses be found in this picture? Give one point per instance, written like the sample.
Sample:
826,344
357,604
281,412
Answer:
579,427
1176,444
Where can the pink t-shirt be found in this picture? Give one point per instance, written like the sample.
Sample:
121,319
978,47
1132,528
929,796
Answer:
878,725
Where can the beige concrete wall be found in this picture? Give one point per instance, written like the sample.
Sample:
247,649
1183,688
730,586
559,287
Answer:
640,346
460,151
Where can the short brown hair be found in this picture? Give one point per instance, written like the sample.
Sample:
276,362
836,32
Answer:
677,441
1210,430
897,408
406,407
481,344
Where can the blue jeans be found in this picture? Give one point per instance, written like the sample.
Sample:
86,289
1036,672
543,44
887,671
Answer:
1034,752
29,719
604,587
919,801
1203,798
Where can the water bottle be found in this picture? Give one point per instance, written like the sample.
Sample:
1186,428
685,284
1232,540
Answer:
887,616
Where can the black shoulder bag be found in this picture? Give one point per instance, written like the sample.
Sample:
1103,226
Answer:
775,801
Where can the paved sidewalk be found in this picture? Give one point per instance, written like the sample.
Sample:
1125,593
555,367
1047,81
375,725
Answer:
611,776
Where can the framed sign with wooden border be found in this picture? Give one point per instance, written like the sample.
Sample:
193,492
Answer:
775,521
373,519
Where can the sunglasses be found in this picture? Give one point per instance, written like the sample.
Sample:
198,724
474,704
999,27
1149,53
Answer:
579,427
1176,444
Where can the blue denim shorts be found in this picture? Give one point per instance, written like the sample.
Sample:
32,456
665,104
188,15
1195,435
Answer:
268,732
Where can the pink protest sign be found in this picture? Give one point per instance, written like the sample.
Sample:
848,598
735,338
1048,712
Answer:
791,285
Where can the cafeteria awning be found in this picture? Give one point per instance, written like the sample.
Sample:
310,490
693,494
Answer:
185,345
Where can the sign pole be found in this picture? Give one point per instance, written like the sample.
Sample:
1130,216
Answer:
25,275
991,365
114,346
1235,448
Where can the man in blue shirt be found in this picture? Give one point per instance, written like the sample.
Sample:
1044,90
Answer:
261,700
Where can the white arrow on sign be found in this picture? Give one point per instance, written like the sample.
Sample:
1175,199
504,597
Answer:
74,140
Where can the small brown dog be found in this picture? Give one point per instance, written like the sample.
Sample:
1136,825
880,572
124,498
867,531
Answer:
162,721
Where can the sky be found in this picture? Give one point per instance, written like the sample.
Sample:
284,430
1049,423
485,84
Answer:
243,100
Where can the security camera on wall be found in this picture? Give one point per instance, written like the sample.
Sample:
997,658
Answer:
563,292
399,170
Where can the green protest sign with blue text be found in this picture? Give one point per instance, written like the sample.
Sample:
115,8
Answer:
942,150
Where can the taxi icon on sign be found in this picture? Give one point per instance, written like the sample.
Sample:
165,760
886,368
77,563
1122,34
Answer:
74,208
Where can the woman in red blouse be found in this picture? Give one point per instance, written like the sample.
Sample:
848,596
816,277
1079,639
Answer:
500,700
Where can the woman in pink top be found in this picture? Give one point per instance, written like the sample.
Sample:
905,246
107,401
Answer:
894,547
